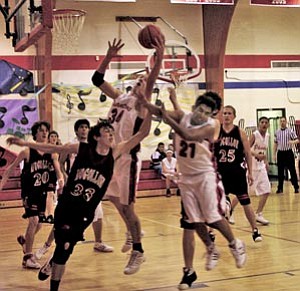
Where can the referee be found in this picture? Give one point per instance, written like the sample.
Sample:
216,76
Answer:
284,140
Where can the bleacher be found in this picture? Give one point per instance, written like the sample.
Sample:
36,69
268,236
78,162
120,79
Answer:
150,184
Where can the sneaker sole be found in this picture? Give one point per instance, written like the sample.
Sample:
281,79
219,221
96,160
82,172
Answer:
183,287
103,251
131,272
258,239
42,276
263,223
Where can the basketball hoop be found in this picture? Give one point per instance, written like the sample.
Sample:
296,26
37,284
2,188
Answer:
67,26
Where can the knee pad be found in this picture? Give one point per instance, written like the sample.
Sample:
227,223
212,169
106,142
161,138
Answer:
186,225
244,200
62,253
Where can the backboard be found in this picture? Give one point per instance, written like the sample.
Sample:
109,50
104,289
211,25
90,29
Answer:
178,58
26,21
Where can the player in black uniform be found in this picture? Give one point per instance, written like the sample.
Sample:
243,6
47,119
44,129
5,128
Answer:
86,185
34,186
234,159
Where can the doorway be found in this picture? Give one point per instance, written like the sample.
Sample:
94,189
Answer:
274,115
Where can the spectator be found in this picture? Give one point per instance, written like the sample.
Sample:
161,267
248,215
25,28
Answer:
170,172
157,157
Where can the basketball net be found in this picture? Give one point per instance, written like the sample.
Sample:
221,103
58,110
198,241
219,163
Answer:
67,26
178,78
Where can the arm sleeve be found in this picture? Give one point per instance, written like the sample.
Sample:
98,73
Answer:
98,79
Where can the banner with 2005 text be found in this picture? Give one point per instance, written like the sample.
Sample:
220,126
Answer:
279,3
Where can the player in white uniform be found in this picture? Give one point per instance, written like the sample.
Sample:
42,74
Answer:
202,194
170,171
126,117
259,141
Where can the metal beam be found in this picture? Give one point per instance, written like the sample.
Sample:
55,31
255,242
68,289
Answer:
137,18
15,10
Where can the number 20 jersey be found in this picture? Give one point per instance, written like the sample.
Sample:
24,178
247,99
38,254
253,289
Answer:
35,174
193,157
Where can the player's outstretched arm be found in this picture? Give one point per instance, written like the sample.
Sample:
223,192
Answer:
159,46
98,77
44,147
192,134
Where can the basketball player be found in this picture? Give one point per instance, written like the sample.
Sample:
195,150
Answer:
126,118
34,186
202,195
232,151
259,141
54,178
81,129
86,185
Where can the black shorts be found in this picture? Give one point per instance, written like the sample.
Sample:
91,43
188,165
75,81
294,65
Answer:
34,203
235,181
70,223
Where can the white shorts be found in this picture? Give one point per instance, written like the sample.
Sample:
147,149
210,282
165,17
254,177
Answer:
174,178
98,212
203,197
261,183
124,180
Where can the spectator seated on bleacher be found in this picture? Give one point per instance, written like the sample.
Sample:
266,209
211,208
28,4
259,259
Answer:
157,157
170,172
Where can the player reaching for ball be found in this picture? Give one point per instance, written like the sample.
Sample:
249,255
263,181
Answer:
126,118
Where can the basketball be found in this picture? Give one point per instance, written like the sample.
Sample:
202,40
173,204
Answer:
147,36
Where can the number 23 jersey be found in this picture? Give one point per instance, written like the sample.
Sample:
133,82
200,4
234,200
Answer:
193,157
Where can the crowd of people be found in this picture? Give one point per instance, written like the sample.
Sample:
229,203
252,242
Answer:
104,160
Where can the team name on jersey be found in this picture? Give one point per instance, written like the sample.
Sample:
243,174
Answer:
123,106
90,175
39,165
258,147
229,141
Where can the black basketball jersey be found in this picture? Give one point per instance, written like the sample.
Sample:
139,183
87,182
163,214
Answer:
88,180
229,150
35,173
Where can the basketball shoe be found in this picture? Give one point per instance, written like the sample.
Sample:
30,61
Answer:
189,276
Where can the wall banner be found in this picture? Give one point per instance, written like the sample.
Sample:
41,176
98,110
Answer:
279,3
17,116
216,2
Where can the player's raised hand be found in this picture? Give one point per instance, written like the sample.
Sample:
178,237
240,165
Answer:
114,47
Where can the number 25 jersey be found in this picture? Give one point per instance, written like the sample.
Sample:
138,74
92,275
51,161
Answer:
229,150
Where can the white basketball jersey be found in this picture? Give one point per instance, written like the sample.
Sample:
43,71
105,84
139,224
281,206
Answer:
122,116
193,157
260,146
170,165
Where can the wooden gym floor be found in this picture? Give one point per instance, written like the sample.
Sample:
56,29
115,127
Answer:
273,264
